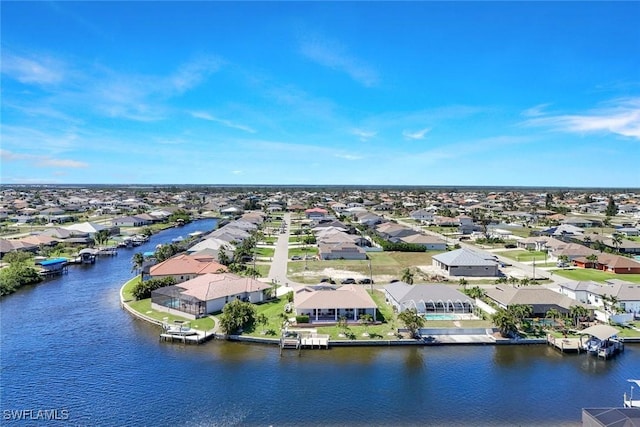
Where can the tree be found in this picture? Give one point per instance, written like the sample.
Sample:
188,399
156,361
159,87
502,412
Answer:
101,237
521,311
593,259
343,325
548,201
611,209
407,276
476,292
236,316
137,261
587,241
143,289
552,313
525,281
365,320
19,272
262,319
223,257
412,320
505,321
576,312
564,259
617,241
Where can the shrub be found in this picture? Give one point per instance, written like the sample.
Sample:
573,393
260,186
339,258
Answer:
143,289
303,318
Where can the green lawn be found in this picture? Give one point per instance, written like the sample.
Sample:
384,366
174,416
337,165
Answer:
128,287
524,255
265,252
263,269
382,264
585,274
302,251
144,307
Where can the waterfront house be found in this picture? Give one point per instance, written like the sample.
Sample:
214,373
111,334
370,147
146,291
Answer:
7,246
208,293
578,291
186,267
328,303
541,299
626,294
466,262
429,298
129,221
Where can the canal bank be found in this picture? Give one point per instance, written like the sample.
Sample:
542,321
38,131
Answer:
68,344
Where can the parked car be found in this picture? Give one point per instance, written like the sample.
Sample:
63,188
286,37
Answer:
348,281
296,258
510,246
394,280
328,280
365,281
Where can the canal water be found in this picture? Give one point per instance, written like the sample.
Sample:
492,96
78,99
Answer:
67,345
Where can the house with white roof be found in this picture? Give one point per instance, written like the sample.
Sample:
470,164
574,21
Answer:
328,303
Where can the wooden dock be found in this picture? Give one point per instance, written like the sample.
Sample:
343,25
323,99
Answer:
565,345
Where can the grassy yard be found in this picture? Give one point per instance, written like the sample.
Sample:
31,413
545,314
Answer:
585,274
524,255
144,307
383,266
302,251
265,252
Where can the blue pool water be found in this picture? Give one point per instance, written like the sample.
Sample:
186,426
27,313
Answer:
440,316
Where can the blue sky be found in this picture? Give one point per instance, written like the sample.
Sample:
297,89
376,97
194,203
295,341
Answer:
403,93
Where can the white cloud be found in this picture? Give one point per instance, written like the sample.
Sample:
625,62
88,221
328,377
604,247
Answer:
349,156
334,55
206,116
417,134
237,172
535,111
364,135
41,71
41,161
620,116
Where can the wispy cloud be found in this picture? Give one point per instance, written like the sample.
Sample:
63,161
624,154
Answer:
206,116
620,116
466,148
237,172
334,55
535,111
40,70
420,134
41,161
363,135
193,73
349,156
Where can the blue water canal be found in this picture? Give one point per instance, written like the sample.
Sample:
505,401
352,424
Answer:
67,345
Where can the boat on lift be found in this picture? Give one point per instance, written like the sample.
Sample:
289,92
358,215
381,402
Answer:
628,400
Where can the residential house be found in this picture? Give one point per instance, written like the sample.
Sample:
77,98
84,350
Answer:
208,293
466,262
185,267
129,221
315,213
341,250
627,295
328,303
422,215
429,298
540,298
611,263
431,243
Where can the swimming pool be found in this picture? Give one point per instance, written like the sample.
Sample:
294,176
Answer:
441,316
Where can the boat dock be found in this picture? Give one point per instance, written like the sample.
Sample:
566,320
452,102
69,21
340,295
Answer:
198,338
565,345
297,340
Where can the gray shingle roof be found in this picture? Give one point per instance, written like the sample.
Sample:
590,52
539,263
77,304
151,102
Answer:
464,257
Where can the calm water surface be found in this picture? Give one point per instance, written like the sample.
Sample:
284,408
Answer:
67,344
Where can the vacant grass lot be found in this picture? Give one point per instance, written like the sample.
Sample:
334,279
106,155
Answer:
524,255
585,274
384,265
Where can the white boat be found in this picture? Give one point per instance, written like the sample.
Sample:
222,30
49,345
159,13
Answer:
629,402
178,328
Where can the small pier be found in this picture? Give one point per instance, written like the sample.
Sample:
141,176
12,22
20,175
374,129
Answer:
198,338
565,345
297,340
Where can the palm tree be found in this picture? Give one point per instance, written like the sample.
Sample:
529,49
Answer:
262,319
475,292
521,311
577,312
564,259
593,259
525,281
412,320
553,314
137,261
617,241
101,237
587,241
505,321
513,280
407,276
